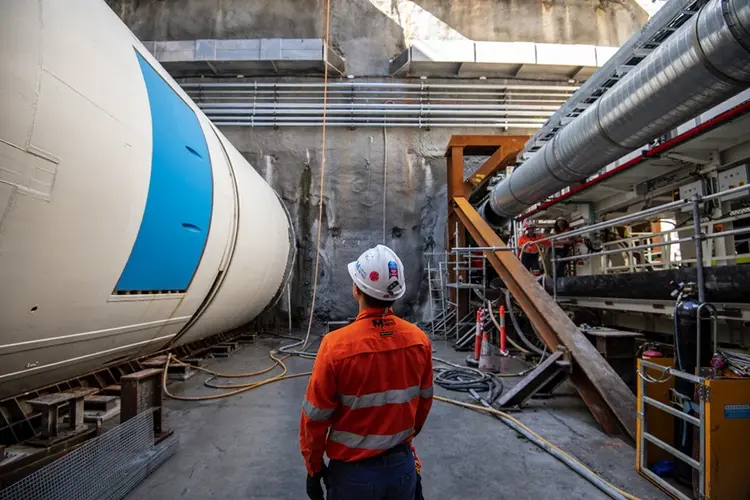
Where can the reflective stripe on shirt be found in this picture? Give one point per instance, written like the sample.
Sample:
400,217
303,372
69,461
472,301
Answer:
370,441
315,413
390,397
426,393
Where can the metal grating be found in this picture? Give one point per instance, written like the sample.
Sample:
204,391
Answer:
107,467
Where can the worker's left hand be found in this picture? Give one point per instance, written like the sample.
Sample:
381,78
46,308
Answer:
315,486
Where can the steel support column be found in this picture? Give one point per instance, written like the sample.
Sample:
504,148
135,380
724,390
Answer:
603,391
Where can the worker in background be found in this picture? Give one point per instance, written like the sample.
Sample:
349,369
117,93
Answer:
369,394
530,252
562,245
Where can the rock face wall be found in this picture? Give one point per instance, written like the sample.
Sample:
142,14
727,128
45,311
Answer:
370,32
406,166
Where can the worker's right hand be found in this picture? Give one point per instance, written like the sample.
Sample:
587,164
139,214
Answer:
315,486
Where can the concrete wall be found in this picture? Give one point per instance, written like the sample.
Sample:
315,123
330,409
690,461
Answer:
369,32
415,196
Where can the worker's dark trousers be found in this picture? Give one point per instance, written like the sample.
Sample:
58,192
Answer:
561,253
530,261
391,476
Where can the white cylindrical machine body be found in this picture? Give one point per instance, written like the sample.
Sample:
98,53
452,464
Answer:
127,221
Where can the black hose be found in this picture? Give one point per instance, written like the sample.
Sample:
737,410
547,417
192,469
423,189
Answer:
517,327
677,336
287,337
464,379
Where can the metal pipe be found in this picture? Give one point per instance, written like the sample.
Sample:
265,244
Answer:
698,250
630,249
618,220
203,99
391,120
383,106
705,61
333,85
675,373
662,483
370,111
469,249
727,192
672,411
372,119
205,89
423,124
721,234
626,218
672,450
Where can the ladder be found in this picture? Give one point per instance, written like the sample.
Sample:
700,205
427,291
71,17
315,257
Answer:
440,315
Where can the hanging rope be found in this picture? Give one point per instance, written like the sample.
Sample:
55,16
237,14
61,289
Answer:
322,177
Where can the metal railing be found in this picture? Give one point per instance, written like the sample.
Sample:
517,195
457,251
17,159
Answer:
700,423
698,237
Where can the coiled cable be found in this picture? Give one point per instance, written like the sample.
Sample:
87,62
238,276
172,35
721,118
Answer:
463,379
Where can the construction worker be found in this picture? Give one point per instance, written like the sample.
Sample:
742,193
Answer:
369,394
530,251
562,245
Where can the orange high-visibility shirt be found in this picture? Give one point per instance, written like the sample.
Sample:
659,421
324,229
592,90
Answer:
531,248
371,385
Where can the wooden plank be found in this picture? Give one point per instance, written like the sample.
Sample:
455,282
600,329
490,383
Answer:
609,399
532,383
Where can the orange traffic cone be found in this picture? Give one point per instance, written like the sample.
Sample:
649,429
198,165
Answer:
485,357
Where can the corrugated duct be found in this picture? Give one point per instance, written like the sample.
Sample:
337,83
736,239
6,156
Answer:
706,61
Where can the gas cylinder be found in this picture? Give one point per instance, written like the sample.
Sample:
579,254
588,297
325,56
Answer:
686,344
686,334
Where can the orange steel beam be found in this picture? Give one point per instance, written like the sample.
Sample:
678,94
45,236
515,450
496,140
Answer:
455,229
603,391
502,150
478,143
498,161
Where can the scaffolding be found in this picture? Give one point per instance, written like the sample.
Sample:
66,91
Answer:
469,267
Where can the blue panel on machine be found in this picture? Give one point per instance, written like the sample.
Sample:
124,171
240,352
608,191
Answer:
176,220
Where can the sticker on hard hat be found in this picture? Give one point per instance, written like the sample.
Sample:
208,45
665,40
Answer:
360,270
392,286
374,276
392,269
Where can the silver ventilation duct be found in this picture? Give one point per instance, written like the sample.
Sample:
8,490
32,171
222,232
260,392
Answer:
706,61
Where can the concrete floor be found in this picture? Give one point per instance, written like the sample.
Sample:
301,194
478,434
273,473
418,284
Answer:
246,446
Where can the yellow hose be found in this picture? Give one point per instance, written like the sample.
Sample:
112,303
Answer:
527,429
238,388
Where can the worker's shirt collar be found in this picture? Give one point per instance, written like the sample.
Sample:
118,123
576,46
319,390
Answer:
374,312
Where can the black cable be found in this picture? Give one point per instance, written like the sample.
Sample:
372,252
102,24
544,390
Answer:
517,327
463,379
288,337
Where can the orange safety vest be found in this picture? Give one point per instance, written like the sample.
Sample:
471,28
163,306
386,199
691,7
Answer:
371,385
532,248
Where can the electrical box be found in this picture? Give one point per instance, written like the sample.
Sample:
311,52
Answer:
687,191
733,178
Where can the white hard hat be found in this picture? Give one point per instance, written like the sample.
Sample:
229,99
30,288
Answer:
379,273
